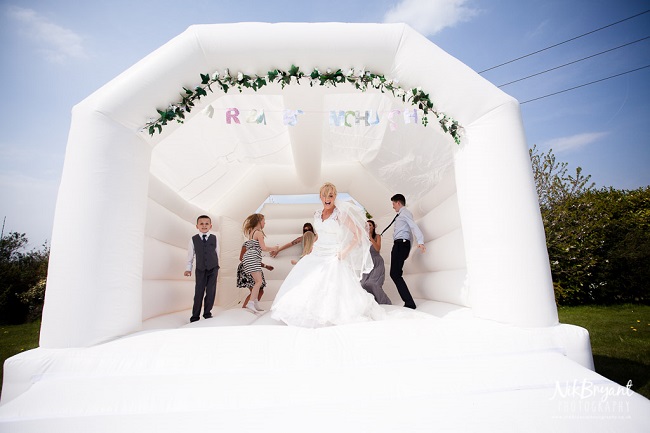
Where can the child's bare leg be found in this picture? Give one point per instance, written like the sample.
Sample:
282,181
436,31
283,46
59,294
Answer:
255,293
246,300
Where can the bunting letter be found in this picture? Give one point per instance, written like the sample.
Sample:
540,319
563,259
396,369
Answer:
290,117
231,115
370,121
348,114
411,116
391,121
256,117
357,118
337,119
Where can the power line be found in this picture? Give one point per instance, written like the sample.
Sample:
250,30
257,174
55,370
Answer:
564,42
575,61
586,84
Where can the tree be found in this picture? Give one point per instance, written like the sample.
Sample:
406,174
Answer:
22,277
626,247
598,240
569,223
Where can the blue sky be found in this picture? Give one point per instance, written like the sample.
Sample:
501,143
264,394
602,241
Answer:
56,53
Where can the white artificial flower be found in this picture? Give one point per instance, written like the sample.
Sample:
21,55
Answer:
215,76
350,72
226,73
329,71
240,76
399,92
376,81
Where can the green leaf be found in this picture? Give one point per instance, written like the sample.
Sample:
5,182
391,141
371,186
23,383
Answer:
205,78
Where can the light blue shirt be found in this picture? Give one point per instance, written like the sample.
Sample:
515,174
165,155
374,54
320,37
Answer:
404,226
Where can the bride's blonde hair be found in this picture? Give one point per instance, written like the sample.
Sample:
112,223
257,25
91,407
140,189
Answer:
327,188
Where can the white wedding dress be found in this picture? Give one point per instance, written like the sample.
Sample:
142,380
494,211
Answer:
323,289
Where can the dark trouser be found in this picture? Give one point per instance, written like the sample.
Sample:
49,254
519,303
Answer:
398,255
206,282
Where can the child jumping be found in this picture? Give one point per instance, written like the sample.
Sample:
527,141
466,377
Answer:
252,260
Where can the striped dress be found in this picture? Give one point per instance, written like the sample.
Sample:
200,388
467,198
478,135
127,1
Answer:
251,262
244,278
252,259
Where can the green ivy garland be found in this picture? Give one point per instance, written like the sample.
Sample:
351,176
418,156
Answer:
361,79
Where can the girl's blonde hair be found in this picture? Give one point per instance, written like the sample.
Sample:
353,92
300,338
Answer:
251,222
308,243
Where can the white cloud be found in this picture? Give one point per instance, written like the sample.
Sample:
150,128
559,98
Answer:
430,16
58,43
574,142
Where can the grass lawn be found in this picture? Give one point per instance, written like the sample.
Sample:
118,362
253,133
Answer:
17,338
620,341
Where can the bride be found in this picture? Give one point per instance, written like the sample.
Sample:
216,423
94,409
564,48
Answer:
323,288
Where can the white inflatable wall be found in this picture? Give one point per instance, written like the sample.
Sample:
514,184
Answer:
128,202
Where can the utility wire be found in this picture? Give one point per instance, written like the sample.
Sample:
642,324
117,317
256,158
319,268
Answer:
586,84
564,42
575,61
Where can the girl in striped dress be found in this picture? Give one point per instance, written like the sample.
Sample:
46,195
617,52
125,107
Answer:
252,259
246,281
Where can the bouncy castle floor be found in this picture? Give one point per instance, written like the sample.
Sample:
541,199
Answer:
426,374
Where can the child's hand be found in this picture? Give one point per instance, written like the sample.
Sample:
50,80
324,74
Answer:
269,267
187,273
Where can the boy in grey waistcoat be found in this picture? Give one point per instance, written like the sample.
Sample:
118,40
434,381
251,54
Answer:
204,246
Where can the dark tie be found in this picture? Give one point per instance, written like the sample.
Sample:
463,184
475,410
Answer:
391,223
205,238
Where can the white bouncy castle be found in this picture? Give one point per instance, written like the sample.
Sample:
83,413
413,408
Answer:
271,111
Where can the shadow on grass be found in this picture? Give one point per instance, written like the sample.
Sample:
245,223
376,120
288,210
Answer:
622,370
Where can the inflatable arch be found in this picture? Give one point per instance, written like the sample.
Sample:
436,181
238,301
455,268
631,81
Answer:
136,197
127,206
